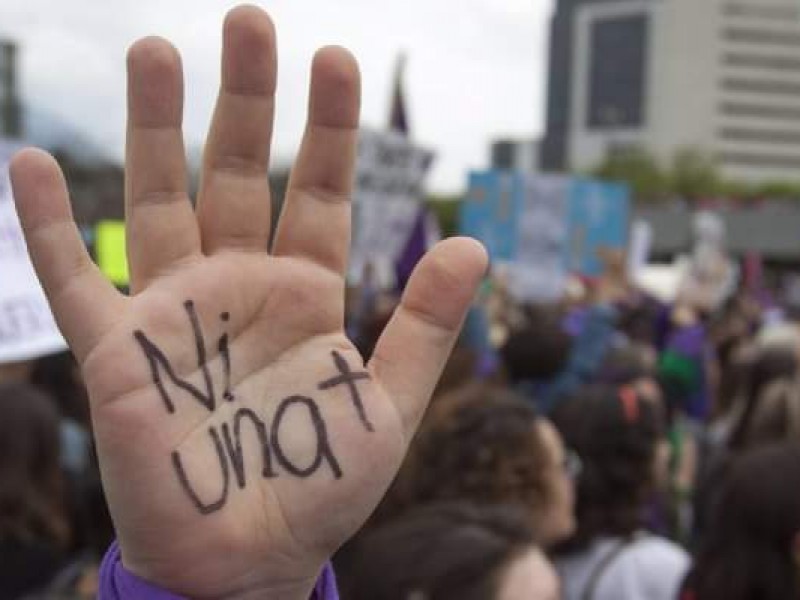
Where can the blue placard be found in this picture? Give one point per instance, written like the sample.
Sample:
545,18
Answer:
597,216
490,212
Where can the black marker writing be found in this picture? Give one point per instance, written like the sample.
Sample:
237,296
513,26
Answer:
159,362
234,452
323,446
349,378
224,351
229,438
234,445
204,509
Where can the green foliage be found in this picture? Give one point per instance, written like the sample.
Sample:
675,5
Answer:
692,175
639,170
736,188
781,190
446,209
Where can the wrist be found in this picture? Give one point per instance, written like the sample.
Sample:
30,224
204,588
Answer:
295,591
118,582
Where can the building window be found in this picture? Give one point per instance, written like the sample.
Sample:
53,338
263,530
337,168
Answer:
761,36
5,74
774,12
753,159
781,63
617,72
503,154
738,109
764,136
735,84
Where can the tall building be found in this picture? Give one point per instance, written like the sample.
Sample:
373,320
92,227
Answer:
560,82
10,106
515,155
720,76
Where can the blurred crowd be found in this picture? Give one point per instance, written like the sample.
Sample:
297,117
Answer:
610,446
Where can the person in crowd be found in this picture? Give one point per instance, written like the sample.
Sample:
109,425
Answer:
634,365
640,315
752,548
59,376
685,361
545,363
539,351
78,578
34,526
764,411
241,436
776,417
769,366
488,446
619,437
244,434
453,551
16,371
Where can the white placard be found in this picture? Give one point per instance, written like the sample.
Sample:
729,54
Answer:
389,168
390,172
639,247
27,328
385,227
539,273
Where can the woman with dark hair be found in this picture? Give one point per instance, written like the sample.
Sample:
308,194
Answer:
488,446
766,409
453,551
752,548
769,366
619,437
547,364
33,522
58,375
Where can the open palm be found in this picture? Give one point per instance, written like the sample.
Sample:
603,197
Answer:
241,437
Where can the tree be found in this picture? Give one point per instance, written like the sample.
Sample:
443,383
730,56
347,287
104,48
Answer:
778,190
694,175
446,209
639,170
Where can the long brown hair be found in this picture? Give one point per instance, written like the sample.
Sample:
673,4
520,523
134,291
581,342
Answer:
483,446
747,551
32,504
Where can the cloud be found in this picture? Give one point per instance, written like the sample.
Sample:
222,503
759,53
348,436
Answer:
475,67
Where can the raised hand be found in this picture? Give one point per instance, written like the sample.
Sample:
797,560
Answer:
241,437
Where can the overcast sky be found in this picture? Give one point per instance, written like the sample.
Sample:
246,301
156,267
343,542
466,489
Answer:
475,69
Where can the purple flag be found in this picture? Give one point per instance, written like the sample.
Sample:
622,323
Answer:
414,250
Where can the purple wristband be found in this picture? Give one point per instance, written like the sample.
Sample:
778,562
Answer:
117,583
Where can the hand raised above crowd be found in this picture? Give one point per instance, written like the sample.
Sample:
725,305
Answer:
241,436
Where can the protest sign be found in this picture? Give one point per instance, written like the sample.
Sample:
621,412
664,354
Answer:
641,240
27,328
521,221
538,273
492,210
389,168
597,219
542,227
109,241
390,172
